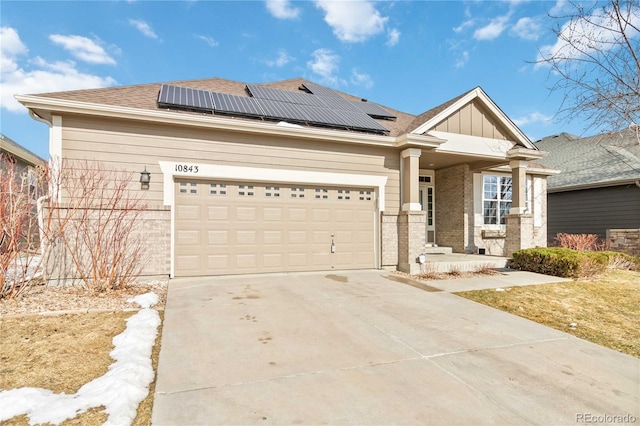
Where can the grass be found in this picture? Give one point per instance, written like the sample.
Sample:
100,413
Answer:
62,353
603,310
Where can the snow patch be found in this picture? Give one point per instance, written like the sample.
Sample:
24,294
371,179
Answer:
120,390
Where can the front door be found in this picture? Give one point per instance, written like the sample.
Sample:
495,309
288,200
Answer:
426,195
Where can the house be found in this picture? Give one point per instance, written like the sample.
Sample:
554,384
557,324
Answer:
295,176
25,162
21,165
598,187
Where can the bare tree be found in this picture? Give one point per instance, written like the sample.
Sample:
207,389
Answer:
19,259
93,235
597,65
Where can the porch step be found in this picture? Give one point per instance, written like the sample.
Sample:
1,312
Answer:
438,250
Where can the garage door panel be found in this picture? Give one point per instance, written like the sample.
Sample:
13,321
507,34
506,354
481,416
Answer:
186,237
247,214
246,237
218,262
188,212
218,213
297,214
272,237
238,228
272,214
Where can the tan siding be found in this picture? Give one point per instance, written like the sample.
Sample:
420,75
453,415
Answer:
474,120
133,146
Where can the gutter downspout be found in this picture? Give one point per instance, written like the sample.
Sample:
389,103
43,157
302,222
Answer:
40,119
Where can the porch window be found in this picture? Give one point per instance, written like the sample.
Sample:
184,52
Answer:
496,199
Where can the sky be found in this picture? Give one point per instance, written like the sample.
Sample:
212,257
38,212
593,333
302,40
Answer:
120,390
408,55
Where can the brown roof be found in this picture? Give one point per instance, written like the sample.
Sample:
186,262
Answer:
145,96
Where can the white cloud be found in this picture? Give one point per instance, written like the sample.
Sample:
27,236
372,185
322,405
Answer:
597,32
361,79
534,117
281,60
462,59
282,9
493,29
559,8
352,21
394,37
143,27
83,48
209,40
527,28
466,24
325,64
42,76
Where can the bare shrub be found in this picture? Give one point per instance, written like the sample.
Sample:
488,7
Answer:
454,271
485,269
583,242
19,260
428,272
96,225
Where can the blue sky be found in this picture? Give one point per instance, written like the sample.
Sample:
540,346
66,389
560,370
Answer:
408,55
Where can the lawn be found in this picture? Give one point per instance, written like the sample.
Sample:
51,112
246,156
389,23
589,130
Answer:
603,310
62,353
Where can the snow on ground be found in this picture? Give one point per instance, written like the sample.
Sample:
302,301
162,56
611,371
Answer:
24,268
120,390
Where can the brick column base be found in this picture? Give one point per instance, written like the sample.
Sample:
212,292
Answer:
411,229
519,232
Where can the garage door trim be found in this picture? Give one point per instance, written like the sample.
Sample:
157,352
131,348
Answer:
172,170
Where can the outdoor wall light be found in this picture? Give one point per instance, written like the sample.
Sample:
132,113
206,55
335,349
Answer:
145,178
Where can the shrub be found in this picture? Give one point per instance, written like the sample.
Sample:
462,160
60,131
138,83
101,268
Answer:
563,262
589,242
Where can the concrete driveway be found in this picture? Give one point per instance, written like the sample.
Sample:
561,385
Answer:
359,348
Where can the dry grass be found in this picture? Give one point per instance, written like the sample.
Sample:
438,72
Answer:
62,353
604,309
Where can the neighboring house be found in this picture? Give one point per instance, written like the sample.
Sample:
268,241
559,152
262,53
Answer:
598,187
23,164
294,176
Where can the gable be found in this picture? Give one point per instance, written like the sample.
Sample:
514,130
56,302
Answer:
473,119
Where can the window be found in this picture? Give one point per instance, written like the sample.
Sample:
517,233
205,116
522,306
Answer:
218,189
496,199
188,188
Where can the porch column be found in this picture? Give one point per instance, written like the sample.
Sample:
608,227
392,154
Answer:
519,222
518,187
410,158
412,220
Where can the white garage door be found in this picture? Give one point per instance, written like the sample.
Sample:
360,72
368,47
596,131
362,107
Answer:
238,228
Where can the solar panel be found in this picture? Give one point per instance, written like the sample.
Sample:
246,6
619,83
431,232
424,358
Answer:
316,89
361,121
338,103
373,109
282,110
194,99
233,104
262,92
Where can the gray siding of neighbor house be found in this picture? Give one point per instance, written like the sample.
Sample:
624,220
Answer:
593,211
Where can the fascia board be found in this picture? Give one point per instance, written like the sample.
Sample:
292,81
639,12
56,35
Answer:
211,121
477,93
593,185
530,170
421,141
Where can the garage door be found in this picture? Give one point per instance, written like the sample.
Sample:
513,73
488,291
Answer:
237,228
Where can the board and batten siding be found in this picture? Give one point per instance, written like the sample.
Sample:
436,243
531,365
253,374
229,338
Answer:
132,146
593,211
473,120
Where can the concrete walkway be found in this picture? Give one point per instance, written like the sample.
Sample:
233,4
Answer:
363,348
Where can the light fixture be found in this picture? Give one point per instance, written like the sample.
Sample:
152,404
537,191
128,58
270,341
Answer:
145,178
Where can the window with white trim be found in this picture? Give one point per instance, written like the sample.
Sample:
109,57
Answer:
496,199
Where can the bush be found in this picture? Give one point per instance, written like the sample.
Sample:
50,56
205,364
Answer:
589,242
562,262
